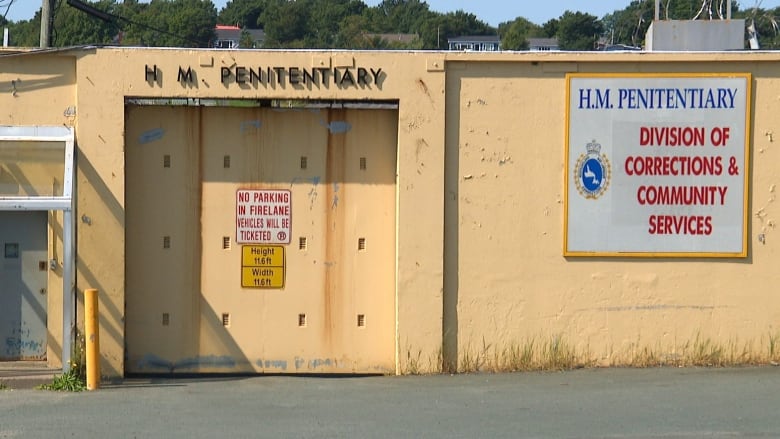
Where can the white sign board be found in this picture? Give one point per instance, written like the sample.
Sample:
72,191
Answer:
656,165
263,216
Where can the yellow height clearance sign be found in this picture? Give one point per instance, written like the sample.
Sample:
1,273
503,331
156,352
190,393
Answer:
262,266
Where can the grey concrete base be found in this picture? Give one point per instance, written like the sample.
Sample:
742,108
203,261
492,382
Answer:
26,374
591,403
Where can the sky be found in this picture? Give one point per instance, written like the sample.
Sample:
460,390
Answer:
491,11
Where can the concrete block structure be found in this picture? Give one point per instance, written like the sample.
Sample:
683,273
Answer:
390,212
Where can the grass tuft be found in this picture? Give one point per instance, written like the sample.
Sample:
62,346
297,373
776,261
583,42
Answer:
67,382
75,380
530,355
556,353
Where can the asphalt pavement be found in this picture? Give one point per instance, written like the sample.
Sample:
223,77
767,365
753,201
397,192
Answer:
589,403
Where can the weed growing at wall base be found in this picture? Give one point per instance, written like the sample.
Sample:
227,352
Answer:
531,354
702,352
67,382
557,353
75,380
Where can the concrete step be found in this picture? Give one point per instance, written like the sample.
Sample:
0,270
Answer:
26,374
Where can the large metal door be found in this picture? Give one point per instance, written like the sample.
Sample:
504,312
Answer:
188,308
23,277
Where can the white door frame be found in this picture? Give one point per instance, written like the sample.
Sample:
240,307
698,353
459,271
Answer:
46,203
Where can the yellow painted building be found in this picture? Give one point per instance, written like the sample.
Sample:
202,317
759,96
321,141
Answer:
386,212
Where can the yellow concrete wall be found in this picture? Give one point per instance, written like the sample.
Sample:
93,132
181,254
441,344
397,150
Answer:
509,286
415,80
480,269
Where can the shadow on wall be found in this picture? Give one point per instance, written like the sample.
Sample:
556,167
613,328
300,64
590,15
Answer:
110,315
230,360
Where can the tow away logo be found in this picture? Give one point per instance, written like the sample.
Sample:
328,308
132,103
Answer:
592,172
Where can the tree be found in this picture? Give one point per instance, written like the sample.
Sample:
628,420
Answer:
175,23
399,16
326,17
578,31
285,23
25,33
243,13
435,31
629,26
73,27
766,25
515,34
550,28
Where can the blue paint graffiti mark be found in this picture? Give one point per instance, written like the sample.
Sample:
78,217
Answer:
312,197
337,126
256,124
222,361
153,362
276,364
299,362
272,364
335,202
151,135
652,308
16,346
313,364
313,192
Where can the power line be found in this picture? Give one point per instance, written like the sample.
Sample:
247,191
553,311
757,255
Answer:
7,4
115,19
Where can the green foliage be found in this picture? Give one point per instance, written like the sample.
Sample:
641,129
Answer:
75,380
285,22
550,28
553,353
243,13
351,24
578,31
766,24
325,19
73,27
67,382
3,386
630,25
173,23
399,16
169,23
435,32
515,34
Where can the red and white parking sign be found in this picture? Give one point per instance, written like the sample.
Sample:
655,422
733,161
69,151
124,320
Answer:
263,216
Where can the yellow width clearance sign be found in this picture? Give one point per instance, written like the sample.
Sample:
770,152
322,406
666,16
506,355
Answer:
262,266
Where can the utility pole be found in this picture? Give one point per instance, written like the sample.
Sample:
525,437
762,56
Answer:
46,20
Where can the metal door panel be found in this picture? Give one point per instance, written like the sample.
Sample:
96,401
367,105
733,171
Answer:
23,285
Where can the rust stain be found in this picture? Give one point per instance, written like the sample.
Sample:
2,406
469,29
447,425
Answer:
423,87
334,230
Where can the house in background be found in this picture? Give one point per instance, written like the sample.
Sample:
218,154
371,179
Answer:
476,43
543,44
229,37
